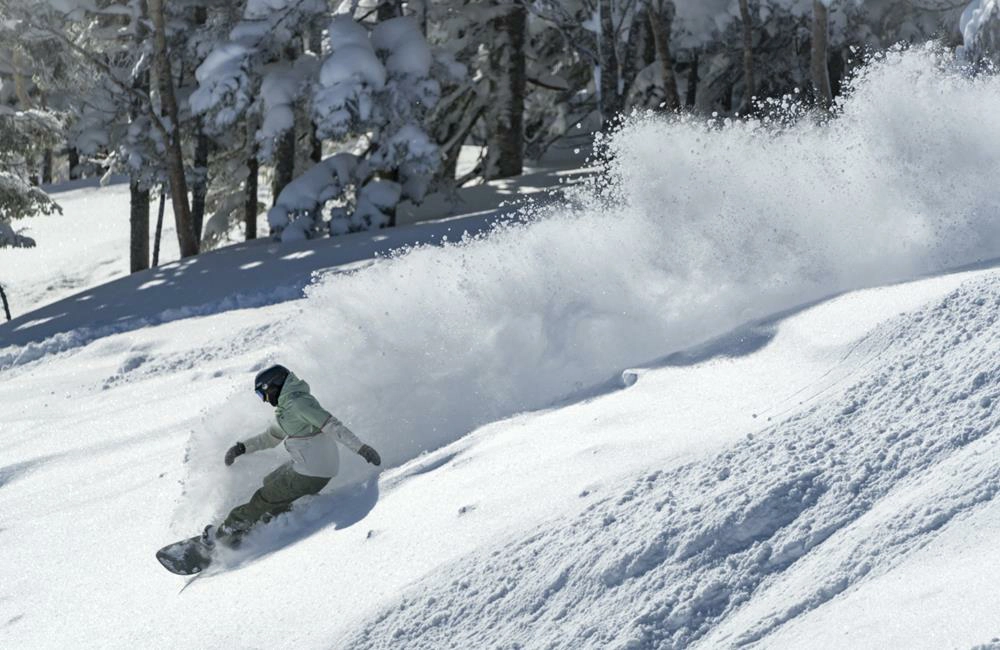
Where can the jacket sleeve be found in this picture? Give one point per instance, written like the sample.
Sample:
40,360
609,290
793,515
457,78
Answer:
270,438
343,434
316,415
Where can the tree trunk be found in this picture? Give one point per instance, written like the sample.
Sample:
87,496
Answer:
6,307
449,169
661,16
610,96
648,41
202,144
838,68
749,87
633,62
284,149
159,227
387,10
727,99
138,194
74,163
139,227
506,119
199,182
174,156
284,163
20,85
452,134
819,68
47,166
250,195
391,212
692,83
421,9
316,48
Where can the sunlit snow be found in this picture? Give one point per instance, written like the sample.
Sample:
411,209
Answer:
741,390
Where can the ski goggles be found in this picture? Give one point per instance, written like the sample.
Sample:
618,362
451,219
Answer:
261,394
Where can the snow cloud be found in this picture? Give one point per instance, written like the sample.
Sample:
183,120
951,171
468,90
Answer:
694,228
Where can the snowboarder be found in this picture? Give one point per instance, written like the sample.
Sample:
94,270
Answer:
310,435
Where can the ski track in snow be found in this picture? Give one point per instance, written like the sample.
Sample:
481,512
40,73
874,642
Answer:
870,475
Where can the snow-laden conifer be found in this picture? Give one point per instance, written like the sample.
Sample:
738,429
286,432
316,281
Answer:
21,134
980,26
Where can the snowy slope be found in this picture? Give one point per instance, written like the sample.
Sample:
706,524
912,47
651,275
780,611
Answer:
85,246
639,421
641,515
893,442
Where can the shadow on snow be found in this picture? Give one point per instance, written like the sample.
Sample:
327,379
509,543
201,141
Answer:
339,509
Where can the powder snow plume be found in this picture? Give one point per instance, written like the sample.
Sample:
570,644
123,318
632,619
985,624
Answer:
694,228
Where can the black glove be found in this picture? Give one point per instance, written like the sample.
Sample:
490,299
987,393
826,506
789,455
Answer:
370,455
236,450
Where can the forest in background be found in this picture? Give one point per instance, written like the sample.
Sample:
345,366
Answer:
333,112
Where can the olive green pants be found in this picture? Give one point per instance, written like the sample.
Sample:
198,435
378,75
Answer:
281,487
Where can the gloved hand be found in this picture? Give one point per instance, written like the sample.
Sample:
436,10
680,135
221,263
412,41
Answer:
236,450
370,455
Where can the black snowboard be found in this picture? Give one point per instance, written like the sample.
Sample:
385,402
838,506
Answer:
186,557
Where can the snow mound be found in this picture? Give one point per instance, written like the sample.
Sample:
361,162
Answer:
778,524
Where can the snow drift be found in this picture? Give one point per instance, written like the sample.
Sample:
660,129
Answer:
722,553
697,226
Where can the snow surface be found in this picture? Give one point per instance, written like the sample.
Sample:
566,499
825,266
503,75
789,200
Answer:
638,421
78,249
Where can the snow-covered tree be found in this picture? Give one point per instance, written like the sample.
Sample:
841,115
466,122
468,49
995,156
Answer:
23,133
980,27
253,96
375,89
121,90
390,90
368,93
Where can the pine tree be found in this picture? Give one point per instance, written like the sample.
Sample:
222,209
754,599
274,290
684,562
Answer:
22,134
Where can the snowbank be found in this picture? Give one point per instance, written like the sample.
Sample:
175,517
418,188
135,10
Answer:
722,553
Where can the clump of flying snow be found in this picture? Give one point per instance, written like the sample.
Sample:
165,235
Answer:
695,228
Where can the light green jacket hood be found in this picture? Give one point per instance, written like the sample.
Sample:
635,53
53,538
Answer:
308,430
298,413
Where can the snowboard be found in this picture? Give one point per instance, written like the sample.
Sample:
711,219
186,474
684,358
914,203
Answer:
186,557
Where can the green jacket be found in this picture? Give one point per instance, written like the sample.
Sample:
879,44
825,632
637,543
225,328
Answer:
309,432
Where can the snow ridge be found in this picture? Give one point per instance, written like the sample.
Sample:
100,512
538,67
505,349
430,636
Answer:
668,561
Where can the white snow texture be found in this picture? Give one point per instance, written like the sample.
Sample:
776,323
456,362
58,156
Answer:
778,465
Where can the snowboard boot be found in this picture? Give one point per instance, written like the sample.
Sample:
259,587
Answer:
208,536
222,535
